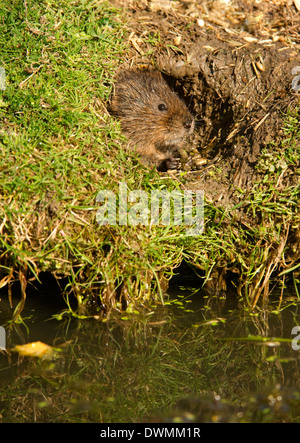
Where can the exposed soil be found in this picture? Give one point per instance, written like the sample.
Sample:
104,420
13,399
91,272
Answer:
235,64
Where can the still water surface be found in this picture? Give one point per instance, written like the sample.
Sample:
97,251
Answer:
196,359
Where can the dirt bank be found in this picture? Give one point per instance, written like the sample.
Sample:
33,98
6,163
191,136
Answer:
235,63
237,66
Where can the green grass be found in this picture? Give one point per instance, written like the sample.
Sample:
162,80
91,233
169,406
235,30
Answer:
56,136
60,147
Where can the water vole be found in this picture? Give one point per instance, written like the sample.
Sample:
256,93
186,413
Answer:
152,116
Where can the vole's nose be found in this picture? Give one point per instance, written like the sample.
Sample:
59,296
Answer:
187,124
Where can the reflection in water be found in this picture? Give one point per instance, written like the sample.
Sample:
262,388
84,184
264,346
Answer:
195,359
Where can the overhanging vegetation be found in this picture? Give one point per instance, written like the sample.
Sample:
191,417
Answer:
60,147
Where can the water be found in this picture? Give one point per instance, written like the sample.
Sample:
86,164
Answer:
195,359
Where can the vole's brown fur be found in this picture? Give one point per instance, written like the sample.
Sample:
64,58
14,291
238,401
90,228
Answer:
153,117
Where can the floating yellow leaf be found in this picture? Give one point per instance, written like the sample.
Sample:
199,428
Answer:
35,349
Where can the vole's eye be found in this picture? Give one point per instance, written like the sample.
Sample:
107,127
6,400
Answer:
162,107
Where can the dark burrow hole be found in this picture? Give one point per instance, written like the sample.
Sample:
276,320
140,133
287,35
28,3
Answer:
214,116
44,296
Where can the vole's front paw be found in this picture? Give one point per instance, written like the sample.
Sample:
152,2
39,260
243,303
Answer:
173,163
